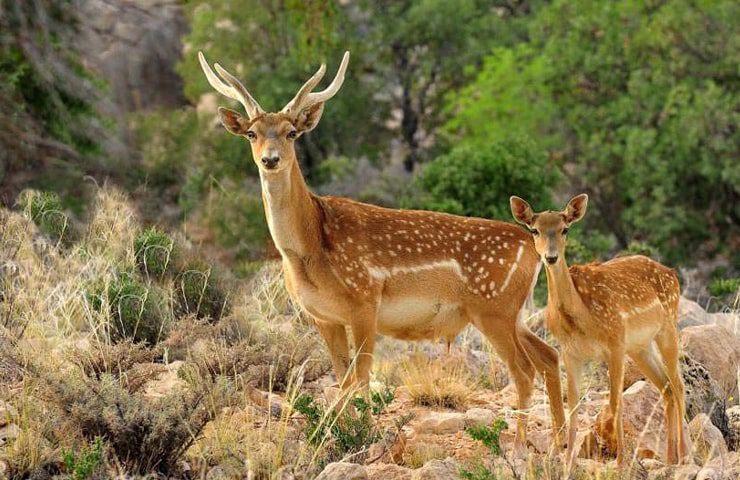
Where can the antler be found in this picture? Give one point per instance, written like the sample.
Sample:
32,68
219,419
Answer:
305,99
232,88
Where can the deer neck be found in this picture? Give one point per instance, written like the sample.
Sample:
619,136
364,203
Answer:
561,291
290,210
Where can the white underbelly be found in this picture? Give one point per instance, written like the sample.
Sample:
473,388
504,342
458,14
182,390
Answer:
418,317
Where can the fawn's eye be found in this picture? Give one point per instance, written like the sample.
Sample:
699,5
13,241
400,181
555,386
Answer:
535,232
565,231
293,134
251,135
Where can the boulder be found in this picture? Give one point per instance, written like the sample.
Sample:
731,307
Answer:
706,438
343,471
479,416
388,471
727,466
446,469
691,314
733,427
704,343
703,393
441,423
674,472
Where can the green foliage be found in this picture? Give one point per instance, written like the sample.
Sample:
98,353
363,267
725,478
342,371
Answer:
274,47
200,290
724,287
490,437
154,251
45,210
83,464
638,101
136,309
478,180
348,431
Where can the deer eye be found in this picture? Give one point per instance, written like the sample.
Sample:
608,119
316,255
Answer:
292,135
535,232
251,135
565,231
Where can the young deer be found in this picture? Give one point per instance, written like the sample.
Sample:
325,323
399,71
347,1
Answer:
408,274
628,305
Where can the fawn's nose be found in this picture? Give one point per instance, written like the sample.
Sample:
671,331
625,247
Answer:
270,162
551,259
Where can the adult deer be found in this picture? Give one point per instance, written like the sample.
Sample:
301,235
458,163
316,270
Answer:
408,274
628,305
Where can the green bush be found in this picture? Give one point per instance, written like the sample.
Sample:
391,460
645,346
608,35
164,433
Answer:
347,431
154,252
136,309
490,437
478,180
725,288
45,210
82,465
200,290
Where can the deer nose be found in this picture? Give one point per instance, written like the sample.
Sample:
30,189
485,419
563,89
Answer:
551,259
270,162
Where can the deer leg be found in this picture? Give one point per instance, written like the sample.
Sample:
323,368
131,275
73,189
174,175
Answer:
616,384
335,336
546,361
363,332
650,365
667,341
574,371
522,370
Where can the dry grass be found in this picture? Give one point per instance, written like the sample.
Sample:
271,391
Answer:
442,382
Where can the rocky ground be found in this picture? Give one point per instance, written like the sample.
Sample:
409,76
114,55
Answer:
249,394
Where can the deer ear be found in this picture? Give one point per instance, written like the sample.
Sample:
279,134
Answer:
309,118
576,208
521,210
233,121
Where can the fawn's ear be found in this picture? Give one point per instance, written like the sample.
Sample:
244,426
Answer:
576,208
233,121
309,118
521,210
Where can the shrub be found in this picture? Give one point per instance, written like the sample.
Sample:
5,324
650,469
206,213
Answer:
436,384
347,430
136,309
145,435
724,287
154,251
83,465
478,180
200,291
45,210
490,437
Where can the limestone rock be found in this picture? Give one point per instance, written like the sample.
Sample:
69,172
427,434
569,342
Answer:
166,382
446,469
691,314
707,439
478,417
733,427
727,466
343,471
441,423
703,344
388,471
674,472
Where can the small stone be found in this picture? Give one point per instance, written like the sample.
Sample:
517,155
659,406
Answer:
708,473
446,469
441,423
388,471
707,439
479,417
343,471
